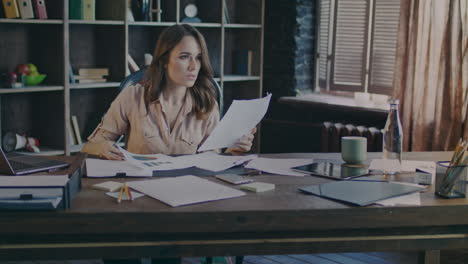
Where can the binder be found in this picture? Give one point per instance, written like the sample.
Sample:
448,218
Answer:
40,9
76,9
25,8
11,9
89,9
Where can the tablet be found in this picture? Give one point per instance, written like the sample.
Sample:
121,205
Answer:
333,170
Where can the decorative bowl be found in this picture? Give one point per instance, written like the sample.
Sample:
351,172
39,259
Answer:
32,80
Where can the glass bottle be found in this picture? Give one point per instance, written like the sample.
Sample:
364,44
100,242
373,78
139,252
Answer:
393,139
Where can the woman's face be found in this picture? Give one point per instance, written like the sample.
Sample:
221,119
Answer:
184,63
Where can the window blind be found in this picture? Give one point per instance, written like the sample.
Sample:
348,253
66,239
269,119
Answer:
383,47
350,45
325,15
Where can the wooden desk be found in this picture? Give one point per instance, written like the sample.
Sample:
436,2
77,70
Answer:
282,221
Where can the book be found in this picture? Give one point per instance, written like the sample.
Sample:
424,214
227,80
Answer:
40,9
242,62
75,9
11,9
132,64
258,186
71,76
109,186
76,129
227,20
71,134
89,9
100,80
25,8
93,71
110,10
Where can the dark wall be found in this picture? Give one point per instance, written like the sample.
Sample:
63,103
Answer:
289,68
289,46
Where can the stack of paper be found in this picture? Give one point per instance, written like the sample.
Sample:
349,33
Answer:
258,186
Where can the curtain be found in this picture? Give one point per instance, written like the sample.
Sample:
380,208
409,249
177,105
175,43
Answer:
431,73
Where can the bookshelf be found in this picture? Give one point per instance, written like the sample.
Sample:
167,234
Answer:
45,111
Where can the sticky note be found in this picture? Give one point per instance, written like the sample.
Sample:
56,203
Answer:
258,186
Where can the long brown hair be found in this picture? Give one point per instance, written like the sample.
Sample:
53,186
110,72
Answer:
203,91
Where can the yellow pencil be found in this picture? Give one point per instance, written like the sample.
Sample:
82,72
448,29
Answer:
121,193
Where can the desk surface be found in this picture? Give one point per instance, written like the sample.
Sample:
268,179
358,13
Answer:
280,221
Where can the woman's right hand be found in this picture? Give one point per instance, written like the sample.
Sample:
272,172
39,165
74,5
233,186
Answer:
103,149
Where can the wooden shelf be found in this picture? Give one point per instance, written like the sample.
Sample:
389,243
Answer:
151,24
30,89
31,21
242,26
94,85
97,22
238,78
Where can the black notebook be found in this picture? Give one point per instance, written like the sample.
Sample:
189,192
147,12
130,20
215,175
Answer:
361,192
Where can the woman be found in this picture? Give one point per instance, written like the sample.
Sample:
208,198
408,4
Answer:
173,110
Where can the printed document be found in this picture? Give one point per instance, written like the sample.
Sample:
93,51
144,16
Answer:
183,190
278,166
241,117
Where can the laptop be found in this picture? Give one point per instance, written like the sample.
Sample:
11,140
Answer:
17,164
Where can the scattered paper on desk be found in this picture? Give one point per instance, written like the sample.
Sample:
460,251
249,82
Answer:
278,166
406,165
149,162
408,199
135,195
108,168
110,186
241,117
212,161
258,186
184,190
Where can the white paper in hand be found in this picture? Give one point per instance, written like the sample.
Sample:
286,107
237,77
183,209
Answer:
241,117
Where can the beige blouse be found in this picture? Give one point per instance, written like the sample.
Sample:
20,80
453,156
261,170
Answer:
148,131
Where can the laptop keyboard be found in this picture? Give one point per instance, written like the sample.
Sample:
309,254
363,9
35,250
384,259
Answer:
19,166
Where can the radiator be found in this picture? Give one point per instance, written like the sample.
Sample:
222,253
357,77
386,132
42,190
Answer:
332,133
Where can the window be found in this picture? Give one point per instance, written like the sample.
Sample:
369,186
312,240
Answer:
357,44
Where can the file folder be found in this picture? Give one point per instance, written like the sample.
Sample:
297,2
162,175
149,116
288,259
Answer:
25,8
361,192
40,8
11,9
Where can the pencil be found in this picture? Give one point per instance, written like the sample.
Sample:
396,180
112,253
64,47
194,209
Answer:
121,193
129,194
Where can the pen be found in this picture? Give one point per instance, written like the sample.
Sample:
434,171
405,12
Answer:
129,194
118,140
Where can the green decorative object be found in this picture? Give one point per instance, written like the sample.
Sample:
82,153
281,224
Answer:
32,80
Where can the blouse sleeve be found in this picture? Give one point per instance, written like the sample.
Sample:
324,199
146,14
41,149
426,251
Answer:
115,122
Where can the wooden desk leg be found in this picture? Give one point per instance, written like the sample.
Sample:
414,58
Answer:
429,257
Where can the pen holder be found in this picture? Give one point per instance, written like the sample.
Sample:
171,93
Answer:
451,181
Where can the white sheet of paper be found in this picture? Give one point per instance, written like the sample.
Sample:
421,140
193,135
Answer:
184,190
108,168
135,195
278,166
241,117
409,199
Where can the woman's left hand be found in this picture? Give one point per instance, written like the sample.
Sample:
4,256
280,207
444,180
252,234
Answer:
244,144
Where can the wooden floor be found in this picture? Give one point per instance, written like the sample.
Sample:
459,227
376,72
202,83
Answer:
446,257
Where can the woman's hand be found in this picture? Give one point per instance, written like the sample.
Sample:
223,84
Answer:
244,144
103,149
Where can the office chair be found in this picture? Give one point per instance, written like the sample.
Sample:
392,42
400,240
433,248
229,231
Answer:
138,75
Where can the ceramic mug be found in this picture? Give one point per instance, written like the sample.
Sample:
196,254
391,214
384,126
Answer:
354,149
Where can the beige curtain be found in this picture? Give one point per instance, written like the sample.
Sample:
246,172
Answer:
431,73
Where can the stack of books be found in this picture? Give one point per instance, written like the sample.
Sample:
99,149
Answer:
92,75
